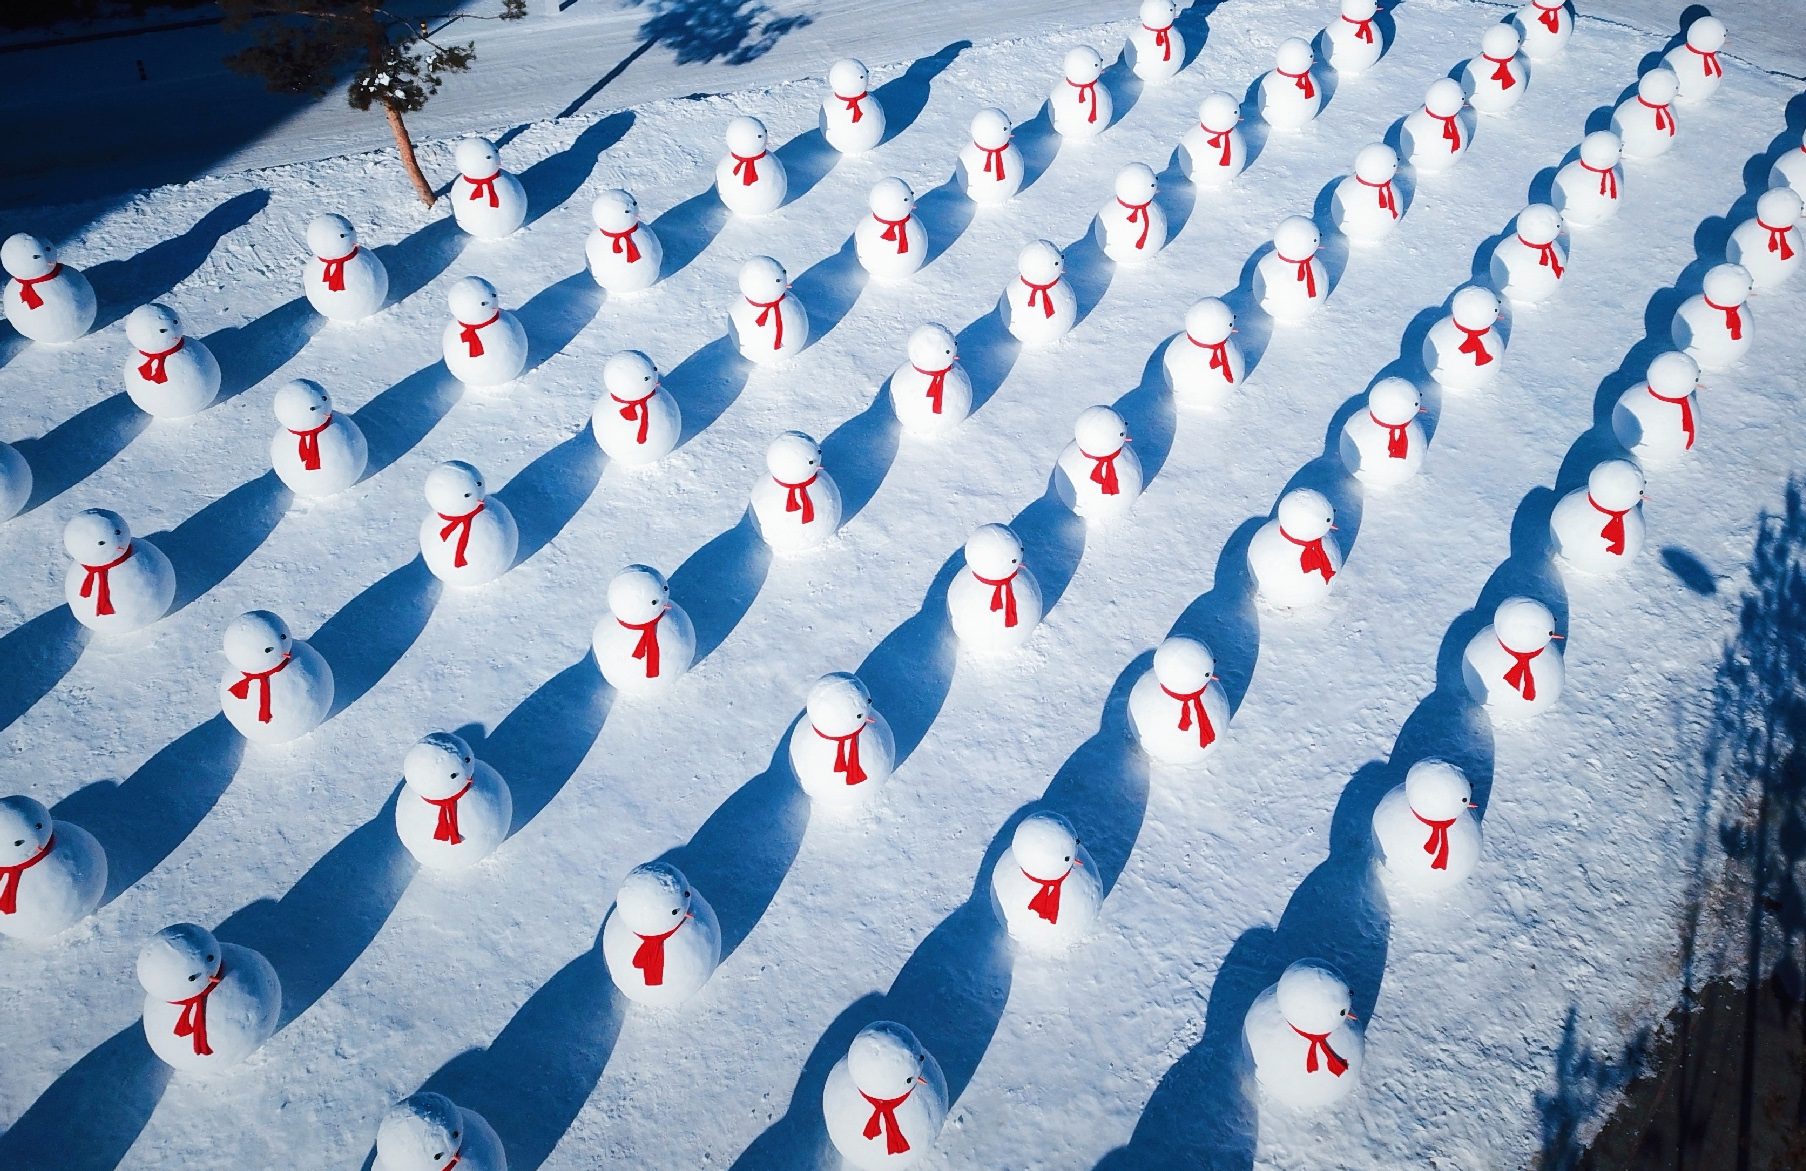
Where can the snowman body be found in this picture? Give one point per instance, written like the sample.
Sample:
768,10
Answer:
1715,335
884,1103
454,810
119,583
343,280
46,300
1048,898
55,872
488,202
208,1005
661,942
931,392
842,750
170,375
318,451
300,696
625,256
469,538
645,642
635,420
1176,714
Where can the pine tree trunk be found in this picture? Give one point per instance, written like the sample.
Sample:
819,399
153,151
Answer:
408,161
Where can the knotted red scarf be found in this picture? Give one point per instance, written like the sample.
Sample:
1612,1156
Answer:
1708,62
1733,319
884,1117
937,384
1301,80
1045,292
635,408
309,444
853,105
1439,840
1046,902
750,174
447,829
649,957
1162,37
468,335
1608,179
994,156
1664,116
154,368
242,689
10,877
796,498
1519,677
1547,257
1777,239
334,274
897,230
1218,138
1306,273
767,310
1451,129
97,578
1475,344
1613,532
623,241
1686,405
1551,17
647,647
1388,200
1003,596
1398,438
193,1022
1087,92
1219,356
482,187
1191,707
1103,473
1318,1041
1502,74
1314,559
1363,28
461,525
30,295
846,753
1139,211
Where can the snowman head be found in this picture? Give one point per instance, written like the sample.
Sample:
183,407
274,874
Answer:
1313,997
1183,665
1616,484
27,257
1706,34
153,328
892,199
1673,374
97,536
1136,185
1359,9
931,347
746,137
653,899
1474,307
1218,113
1436,790
1045,845
848,78
1296,239
792,458
302,405
439,766
1376,164
420,1134
1083,65
331,236
1305,514
25,826
177,962
885,1060
478,158
1100,431
1778,207
993,551
1210,321
839,704
1444,98
1158,14
473,300
638,594
1500,42
763,280
1601,150
1293,56
1523,625
615,210
454,488
1658,86
1394,401
1538,223
991,129
629,375
1727,285
1041,263
257,641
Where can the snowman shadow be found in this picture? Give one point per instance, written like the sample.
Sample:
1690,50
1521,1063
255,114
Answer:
316,931
400,416
1333,247
547,493
1192,25
140,820
1224,618
1089,270
1409,364
1177,197
740,855
860,451
369,634
539,745
706,384
555,178
122,285
34,657
904,97
416,259
1448,724
555,315
829,288
1124,85
251,352
1253,325
1149,412
689,228
718,583
946,213
1102,788
533,1079
910,672
798,1141
1255,130
988,351
91,1115
1040,145
1480,272
1053,541
807,158
12,344
209,545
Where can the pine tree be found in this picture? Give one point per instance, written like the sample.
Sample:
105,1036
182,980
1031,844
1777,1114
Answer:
306,46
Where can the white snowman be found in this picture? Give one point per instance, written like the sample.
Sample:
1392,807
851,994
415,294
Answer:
1599,528
1385,444
1498,77
891,243
931,392
343,281
484,344
1545,26
750,180
118,583
1769,245
885,1102
276,687
1131,228
635,421
318,451
1289,97
991,165
172,375
769,322
1365,205
46,300
1587,190
1039,306
1354,43
1098,475
1436,135
430,1132
454,810
1046,885
1789,169
1425,828
852,120
624,254
1512,667
1156,50
661,942
1527,266
1290,282
1080,104
1214,151
842,751
646,641
1464,350
469,538
1714,325
1204,364
797,504
995,604
1656,422
207,1005
1177,716
488,202
1300,1035
15,481
1695,61
1293,558
1644,122
52,873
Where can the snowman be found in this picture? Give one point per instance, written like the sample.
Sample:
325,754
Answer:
1527,266
343,281
1695,61
796,506
991,165
884,1103
891,243
1384,445
624,254
1131,228
1214,151
1498,77
1366,205
15,481
1204,364
1290,282
430,1132
454,810
1080,104
1599,528
1436,136
171,375
118,583
662,942
750,180
46,300
318,451
469,538
207,1005
1769,244
851,119
487,202
995,603
1156,50
1587,190
768,323
1176,714
1097,475
52,873
1463,351
1714,325
931,392
1293,558
484,344
1354,43
277,688
1644,122
1300,1035
635,421
646,641
1289,97
1656,421
842,751
1425,828
1045,886
1039,306
1512,667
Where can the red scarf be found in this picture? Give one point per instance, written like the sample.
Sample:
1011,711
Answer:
10,877
796,498
1042,291
1733,320
1363,28
1608,179
1685,404
1502,74
1318,1041
767,310
1301,80
1219,356
1163,38
897,230
1191,706
1519,678
334,274
1708,62
635,408
1777,239
937,384
884,1117
1087,92
462,525
1475,344
153,368
193,1021
647,647
1547,257
1439,840
853,106
846,754
1388,201
1306,273
1046,902
1314,559
1613,532
309,450
1003,596
1451,129
649,957
1218,138
242,689
97,577
32,298
1104,473
1139,211
1398,438
994,156
1551,17
624,238
447,829
468,335
481,187
1664,116
751,174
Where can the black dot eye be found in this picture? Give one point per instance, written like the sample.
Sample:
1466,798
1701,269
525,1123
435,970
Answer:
453,774
1069,857
20,842
194,977
268,649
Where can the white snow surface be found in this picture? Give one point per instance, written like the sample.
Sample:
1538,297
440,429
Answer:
487,985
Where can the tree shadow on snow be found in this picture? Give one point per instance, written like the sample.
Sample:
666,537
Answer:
123,285
735,31
90,1116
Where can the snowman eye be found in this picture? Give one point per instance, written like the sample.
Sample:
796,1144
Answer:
20,842
193,977
453,774
268,649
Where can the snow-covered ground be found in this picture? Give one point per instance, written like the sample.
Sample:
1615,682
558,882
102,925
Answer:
489,986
